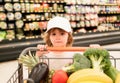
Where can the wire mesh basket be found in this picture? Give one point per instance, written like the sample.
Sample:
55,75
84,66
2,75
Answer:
18,75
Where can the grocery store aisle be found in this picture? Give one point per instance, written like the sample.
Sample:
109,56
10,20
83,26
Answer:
9,67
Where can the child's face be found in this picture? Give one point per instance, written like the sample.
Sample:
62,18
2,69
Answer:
58,38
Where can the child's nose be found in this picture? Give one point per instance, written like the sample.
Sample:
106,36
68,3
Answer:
58,37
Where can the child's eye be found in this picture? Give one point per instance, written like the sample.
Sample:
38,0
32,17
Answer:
53,34
62,33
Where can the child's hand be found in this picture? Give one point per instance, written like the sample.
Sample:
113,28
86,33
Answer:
42,50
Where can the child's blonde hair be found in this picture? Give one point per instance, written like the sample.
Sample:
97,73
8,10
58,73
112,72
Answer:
47,40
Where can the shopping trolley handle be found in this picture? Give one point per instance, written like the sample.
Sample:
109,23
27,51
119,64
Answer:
65,49
54,49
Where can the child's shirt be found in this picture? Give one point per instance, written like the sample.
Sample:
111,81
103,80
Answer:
59,60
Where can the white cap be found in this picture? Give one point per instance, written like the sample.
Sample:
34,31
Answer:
59,22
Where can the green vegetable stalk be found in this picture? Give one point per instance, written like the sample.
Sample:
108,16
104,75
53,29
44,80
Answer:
79,62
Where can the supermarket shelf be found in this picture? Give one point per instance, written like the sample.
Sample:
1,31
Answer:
10,50
102,38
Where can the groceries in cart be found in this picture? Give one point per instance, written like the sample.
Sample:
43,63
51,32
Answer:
93,66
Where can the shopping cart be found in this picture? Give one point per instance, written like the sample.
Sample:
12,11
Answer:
17,76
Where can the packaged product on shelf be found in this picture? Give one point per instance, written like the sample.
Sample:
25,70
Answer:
32,7
11,26
7,0
32,17
78,1
32,26
36,1
26,27
40,1
10,16
77,17
42,25
36,25
87,23
2,35
73,17
60,8
46,16
26,0
37,17
82,17
18,15
55,6
17,6
87,16
45,7
19,34
78,25
21,0
15,0
78,9
3,25
2,16
23,7
82,11
70,1
19,23
10,34
41,8
1,8
36,7
44,1
8,6
82,23
67,16
32,0
93,23
82,30
73,24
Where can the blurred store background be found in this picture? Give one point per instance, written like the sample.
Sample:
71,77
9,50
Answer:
22,22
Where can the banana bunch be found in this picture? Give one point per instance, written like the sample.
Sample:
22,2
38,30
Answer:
89,76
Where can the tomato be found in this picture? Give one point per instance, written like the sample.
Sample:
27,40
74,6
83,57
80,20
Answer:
59,76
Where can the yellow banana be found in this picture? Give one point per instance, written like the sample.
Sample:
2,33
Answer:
117,78
90,82
88,75
80,72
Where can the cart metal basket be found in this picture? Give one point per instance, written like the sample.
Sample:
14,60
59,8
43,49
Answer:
17,76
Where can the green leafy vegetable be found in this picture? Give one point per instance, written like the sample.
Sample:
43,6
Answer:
29,60
79,62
